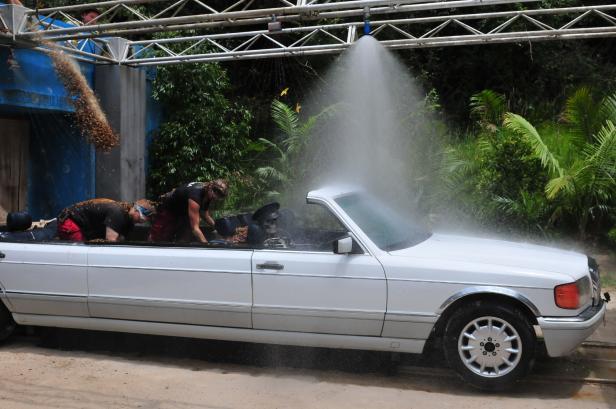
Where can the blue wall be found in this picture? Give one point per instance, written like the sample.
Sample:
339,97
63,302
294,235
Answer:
61,166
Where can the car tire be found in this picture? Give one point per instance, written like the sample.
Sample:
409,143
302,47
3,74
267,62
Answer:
491,346
7,325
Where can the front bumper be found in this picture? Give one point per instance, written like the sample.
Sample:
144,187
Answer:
563,335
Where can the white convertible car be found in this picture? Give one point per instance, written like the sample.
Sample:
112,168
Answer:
345,273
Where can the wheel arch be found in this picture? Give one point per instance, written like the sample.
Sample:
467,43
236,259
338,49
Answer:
494,294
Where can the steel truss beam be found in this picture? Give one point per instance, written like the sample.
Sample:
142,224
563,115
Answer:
421,32
231,33
241,13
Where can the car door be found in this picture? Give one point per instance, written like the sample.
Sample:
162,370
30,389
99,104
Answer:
48,279
188,285
308,288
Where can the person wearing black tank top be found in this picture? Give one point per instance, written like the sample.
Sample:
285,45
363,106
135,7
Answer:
179,211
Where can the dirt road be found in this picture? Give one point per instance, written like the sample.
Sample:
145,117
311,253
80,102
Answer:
53,368
78,369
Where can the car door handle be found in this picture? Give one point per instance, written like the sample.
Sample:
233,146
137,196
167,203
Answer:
270,266
2,255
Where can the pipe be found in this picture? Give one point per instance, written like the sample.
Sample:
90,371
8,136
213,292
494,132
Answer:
367,27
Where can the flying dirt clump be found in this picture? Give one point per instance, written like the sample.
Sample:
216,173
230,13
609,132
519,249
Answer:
91,119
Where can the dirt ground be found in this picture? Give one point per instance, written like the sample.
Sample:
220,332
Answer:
84,369
35,377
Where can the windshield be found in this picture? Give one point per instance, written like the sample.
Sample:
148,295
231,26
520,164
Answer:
388,229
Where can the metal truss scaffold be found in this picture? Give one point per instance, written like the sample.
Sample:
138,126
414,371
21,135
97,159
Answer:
244,31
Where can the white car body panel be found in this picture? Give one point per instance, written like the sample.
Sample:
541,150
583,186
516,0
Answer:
42,278
185,285
319,292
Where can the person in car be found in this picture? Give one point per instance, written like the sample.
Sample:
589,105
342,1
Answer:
179,211
102,219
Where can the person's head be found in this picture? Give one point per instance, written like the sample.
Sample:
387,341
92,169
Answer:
88,15
142,211
266,217
217,189
270,223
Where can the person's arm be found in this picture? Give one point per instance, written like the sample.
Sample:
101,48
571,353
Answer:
15,2
193,219
208,218
111,235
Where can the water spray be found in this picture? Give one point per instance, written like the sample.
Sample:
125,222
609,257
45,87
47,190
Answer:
367,27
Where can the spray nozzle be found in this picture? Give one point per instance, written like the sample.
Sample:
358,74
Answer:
367,27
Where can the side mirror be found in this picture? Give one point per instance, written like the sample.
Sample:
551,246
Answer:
343,246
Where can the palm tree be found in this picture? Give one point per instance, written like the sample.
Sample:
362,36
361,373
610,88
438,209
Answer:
581,161
296,135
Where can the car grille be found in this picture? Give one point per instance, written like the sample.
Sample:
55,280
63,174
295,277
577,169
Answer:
595,276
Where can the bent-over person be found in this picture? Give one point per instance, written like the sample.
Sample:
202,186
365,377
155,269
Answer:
179,211
104,219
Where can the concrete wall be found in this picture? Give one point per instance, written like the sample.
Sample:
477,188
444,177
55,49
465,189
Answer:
120,174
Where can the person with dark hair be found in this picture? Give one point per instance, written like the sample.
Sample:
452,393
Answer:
179,211
89,15
103,219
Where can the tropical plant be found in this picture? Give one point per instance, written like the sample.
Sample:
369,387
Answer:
287,165
582,176
488,107
492,176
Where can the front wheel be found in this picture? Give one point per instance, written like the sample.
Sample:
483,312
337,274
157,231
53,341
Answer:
490,345
7,325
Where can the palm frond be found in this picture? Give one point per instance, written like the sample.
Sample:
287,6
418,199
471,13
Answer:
599,167
563,183
602,154
522,127
582,113
608,108
272,145
270,174
488,107
285,118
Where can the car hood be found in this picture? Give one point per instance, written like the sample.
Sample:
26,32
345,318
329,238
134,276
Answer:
498,252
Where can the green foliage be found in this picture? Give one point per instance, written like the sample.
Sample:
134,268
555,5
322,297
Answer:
287,165
204,135
582,182
488,107
557,177
493,176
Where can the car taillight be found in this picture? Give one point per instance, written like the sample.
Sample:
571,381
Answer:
567,296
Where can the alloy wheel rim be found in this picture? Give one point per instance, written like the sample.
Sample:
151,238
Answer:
490,347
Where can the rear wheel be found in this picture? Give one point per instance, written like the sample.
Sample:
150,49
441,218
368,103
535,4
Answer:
7,325
490,345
